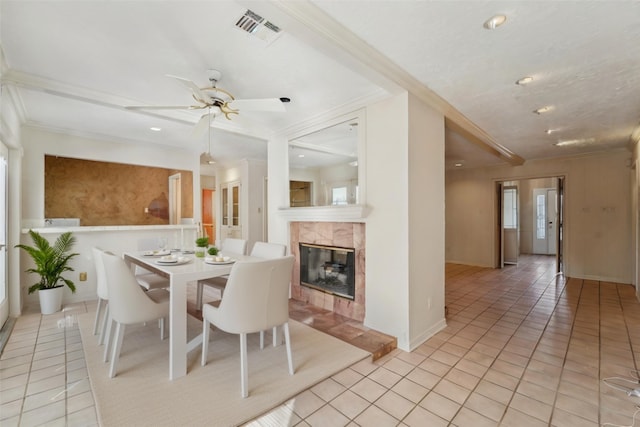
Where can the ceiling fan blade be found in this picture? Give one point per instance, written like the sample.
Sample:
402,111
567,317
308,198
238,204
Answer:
266,104
199,94
202,125
162,107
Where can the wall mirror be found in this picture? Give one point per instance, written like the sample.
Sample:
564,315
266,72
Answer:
324,165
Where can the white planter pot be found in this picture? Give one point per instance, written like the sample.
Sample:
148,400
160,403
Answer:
51,299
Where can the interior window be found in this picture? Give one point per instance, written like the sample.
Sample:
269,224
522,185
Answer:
339,196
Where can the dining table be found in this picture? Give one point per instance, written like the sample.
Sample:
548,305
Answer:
187,268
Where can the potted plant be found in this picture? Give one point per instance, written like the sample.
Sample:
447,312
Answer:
201,243
213,251
50,263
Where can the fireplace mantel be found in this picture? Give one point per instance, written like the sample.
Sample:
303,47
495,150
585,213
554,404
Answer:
347,213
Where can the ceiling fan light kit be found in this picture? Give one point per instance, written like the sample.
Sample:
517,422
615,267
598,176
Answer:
218,98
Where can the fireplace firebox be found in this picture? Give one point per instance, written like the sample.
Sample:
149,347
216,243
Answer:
329,269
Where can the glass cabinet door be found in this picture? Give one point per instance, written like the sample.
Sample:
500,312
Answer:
225,205
235,204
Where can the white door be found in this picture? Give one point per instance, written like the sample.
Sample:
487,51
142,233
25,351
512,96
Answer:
4,294
552,220
545,214
511,246
175,199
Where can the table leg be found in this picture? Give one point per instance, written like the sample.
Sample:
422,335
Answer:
177,329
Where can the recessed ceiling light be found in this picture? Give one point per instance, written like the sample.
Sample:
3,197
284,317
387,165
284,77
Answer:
494,22
550,131
155,129
543,110
524,80
581,141
300,156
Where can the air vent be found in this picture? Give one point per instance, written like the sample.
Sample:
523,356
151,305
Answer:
258,27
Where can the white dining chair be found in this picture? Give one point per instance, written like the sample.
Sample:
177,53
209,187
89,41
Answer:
229,246
129,304
103,295
256,299
147,279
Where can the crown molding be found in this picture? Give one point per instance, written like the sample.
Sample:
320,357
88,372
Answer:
310,22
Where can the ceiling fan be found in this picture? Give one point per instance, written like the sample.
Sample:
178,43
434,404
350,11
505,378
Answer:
216,101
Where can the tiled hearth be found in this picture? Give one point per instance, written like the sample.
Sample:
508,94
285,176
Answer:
338,234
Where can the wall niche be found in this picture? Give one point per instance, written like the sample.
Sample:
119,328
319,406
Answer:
106,193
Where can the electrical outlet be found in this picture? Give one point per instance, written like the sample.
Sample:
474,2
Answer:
83,276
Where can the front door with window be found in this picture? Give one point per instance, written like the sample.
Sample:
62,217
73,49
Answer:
545,214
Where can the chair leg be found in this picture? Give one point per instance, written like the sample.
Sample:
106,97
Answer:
161,320
287,340
96,322
205,341
244,374
261,340
105,319
199,296
275,336
117,346
107,339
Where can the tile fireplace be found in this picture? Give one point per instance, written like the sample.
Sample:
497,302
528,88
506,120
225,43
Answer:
347,297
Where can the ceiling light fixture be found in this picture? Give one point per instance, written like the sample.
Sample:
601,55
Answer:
525,80
581,141
155,129
550,131
543,110
494,22
208,157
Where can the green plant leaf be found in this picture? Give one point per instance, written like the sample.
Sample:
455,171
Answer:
50,261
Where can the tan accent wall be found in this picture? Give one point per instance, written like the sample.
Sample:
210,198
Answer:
104,193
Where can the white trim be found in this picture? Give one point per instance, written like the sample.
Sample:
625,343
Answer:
349,213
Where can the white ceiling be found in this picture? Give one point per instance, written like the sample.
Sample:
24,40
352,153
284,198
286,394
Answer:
76,65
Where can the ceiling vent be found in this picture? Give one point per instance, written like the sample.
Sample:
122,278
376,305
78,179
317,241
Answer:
258,27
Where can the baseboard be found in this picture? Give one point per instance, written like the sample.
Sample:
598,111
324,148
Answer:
423,337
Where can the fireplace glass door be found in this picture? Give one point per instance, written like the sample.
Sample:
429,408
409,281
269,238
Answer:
328,269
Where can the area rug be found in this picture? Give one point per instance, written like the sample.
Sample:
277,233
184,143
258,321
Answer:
142,395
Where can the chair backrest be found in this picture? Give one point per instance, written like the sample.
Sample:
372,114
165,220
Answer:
127,301
256,296
101,278
268,250
236,246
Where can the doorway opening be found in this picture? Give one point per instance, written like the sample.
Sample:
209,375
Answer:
530,220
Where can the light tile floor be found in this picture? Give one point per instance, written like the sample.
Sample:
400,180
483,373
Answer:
522,348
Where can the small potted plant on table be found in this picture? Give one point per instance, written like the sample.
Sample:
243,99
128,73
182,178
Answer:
50,263
202,243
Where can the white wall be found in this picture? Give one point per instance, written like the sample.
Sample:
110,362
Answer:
598,241
426,222
387,245
36,143
278,189
256,174
405,238
10,134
